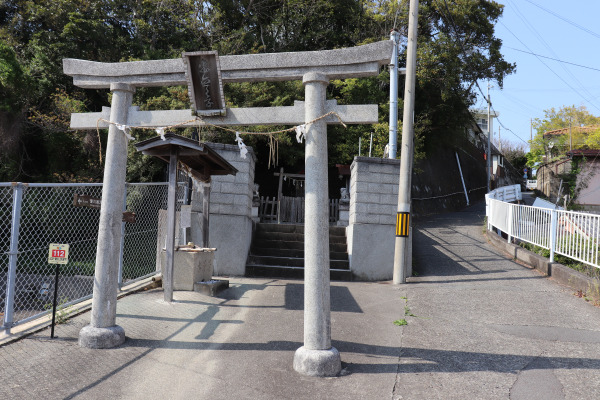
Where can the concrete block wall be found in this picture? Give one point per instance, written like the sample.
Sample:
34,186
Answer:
230,194
373,205
230,212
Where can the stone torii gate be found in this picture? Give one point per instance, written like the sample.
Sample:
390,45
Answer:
315,68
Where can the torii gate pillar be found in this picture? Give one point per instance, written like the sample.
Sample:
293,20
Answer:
103,332
317,357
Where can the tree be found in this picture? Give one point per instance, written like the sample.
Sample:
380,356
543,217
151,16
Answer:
515,153
565,117
593,139
456,48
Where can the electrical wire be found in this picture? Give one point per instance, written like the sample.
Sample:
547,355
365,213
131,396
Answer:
451,20
554,59
530,26
575,24
551,70
505,128
530,108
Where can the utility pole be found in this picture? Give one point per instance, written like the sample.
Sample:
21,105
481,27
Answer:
489,145
393,145
499,141
530,131
570,134
401,250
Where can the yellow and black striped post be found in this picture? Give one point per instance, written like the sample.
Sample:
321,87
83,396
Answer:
402,224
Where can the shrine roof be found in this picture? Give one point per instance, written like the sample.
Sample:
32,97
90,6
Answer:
202,160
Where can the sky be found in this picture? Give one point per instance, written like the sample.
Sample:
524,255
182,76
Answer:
540,83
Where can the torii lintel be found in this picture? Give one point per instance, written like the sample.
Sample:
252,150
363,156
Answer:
353,62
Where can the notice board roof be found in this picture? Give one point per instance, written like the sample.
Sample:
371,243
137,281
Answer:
198,157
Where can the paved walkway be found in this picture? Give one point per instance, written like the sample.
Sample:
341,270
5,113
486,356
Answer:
479,327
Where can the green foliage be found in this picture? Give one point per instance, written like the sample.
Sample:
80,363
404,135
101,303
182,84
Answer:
62,311
592,139
587,244
400,322
456,48
12,81
563,118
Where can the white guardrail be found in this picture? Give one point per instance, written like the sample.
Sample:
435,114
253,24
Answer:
572,234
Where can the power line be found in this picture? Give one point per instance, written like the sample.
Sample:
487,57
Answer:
575,24
547,66
530,26
530,108
554,59
451,21
505,128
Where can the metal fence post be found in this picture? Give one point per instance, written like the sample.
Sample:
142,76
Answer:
13,254
509,225
553,226
488,211
122,244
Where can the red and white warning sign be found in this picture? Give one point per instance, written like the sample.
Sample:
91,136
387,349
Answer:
58,253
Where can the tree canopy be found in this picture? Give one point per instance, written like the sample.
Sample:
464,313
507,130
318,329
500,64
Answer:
456,48
581,130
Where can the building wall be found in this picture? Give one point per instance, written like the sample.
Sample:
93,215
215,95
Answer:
548,180
589,181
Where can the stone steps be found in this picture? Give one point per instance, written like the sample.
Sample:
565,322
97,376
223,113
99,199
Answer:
278,251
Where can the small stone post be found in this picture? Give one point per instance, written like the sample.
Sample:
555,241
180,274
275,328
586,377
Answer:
205,214
317,357
103,331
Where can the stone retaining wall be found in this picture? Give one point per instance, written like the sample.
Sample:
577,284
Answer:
373,205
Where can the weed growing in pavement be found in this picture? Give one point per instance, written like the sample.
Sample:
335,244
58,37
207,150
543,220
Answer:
407,313
62,312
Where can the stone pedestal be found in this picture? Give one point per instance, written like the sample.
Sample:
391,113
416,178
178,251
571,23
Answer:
344,217
101,338
190,265
317,362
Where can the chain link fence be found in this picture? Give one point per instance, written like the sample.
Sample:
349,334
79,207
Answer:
32,216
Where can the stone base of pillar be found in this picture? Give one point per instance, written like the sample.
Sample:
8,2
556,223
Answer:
101,338
317,362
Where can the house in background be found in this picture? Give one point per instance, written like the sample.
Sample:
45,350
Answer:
588,180
503,173
481,119
566,139
565,148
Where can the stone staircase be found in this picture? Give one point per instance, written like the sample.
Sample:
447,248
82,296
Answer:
278,251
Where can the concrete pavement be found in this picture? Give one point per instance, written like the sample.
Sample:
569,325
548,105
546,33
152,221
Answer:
489,328
479,326
239,345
